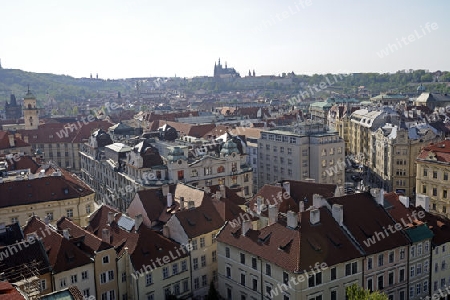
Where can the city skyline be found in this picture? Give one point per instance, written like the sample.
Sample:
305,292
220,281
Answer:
118,39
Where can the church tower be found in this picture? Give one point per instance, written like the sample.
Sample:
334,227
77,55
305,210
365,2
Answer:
30,111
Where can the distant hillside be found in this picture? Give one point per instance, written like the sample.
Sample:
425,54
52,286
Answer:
59,87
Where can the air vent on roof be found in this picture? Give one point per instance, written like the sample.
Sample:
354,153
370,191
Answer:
336,242
283,246
314,244
207,217
190,222
263,237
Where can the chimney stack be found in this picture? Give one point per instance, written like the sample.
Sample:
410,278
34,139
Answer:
424,201
166,231
66,234
138,219
318,201
218,195
207,189
181,203
106,237
337,211
292,221
11,140
191,204
273,214
259,201
404,200
110,217
301,206
165,189
222,191
246,225
380,197
169,200
314,216
287,187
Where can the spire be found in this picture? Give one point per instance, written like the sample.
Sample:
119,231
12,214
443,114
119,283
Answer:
28,88
219,61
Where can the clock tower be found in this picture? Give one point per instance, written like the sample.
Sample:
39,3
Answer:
30,111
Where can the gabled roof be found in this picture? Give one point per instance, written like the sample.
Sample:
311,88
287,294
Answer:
363,217
63,255
274,195
89,242
9,292
295,250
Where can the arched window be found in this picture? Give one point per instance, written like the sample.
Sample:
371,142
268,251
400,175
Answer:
220,169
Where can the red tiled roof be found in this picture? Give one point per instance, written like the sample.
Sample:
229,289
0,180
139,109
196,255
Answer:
91,243
441,150
9,292
23,162
297,249
4,141
364,217
63,254
38,190
274,195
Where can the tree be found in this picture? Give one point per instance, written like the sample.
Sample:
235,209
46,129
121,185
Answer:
212,293
356,292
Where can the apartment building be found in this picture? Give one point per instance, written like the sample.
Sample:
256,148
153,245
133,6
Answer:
433,176
70,265
392,163
288,259
45,195
103,254
149,265
288,155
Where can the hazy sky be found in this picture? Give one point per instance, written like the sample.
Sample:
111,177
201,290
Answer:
141,38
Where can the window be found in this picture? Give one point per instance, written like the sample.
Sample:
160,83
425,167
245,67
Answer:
333,273
228,270
333,295
391,257
419,269
214,256
289,150
402,295
434,191
88,209
183,266
194,244
445,176
86,293
402,253
74,279
401,276
314,280
62,282
243,279
202,242
419,288
84,275
443,266
208,171
412,271
227,252
254,284
148,279
203,261
434,175
254,263
69,213
110,275
229,294
425,266
105,259
370,284
354,267
103,277
124,276
380,282
242,255
204,280
412,251
42,284
425,172
285,277
411,292
50,215
195,263
175,268
165,271
275,149
380,260
391,278
185,285
268,270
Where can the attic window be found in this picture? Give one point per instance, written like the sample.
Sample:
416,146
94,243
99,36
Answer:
66,191
285,245
207,217
314,244
263,237
50,136
336,242
365,232
190,222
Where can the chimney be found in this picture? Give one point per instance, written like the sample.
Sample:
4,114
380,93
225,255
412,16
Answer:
287,187
165,189
404,200
222,191
424,201
292,221
110,217
318,201
181,203
46,220
25,138
166,231
207,189
259,201
66,234
138,219
169,199
273,214
106,237
11,140
337,211
301,206
218,194
380,197
191,204
246,225
314,216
